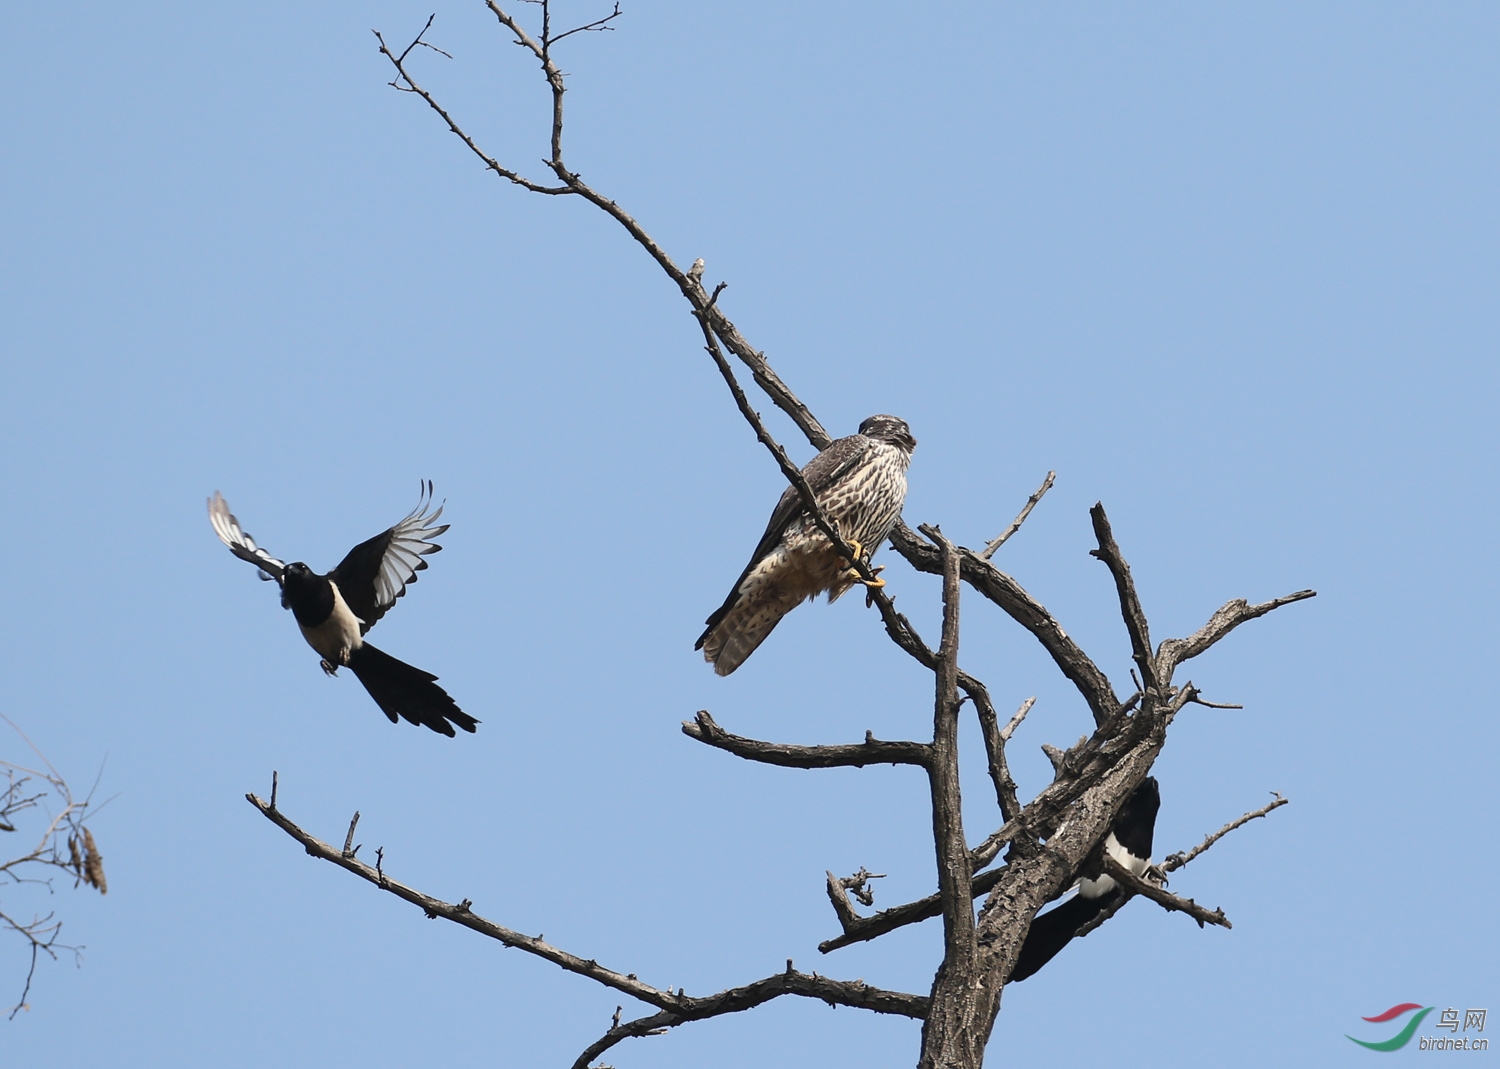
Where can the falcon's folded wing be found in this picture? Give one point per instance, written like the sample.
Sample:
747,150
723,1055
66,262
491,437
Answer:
822,473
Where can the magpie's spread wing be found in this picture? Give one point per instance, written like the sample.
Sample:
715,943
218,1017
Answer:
241,544
375,573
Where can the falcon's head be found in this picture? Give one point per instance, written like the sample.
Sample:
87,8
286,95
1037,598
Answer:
889,429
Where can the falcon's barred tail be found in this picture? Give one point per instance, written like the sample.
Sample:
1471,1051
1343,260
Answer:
410,693
733,637
1055,929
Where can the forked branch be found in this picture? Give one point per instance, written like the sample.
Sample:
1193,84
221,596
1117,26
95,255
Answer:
854,993
677,1007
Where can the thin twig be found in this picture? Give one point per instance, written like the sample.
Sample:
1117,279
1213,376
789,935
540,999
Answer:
1176,861
1015,525
406,83
597,25
995,738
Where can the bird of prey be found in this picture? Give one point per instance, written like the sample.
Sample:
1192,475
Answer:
1129,843
860,484
335,610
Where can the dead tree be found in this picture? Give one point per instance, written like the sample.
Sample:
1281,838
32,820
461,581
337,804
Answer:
37,804
1048,842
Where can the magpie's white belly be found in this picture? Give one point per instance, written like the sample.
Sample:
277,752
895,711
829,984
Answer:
1105,884
338,636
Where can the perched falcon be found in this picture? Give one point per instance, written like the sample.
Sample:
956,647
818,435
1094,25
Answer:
335,610
860,484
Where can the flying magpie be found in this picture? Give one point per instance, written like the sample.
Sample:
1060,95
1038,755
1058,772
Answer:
335,610
1129,843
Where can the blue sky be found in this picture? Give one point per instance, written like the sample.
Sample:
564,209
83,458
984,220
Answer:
1231,271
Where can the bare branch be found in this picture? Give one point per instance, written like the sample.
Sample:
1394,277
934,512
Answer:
349,838
955,875
988,850
1176,861
854,993
1024,609
64,845
838,894
677,1007
1135,885
405,82
995,739
1130,604
858,884
1197,700
1176,650
1088,762
598,25
1097,921
859,929
872,751
41,937
1015,525
1015,721
1070,816
418,42
462,914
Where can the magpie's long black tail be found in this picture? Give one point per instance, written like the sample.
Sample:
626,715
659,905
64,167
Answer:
410,693
1053,930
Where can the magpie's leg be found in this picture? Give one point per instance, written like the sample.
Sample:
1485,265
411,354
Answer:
328,668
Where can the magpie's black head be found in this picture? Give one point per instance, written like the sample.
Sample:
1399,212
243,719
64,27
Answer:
300,586
889,429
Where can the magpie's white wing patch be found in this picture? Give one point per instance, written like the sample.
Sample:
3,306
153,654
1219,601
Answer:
241,544
376,572
410,542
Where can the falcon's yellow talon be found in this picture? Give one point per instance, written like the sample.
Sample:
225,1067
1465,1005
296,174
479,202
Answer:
859,553
873,584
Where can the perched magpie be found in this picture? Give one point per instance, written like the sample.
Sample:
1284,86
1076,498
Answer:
335,610
1129,843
